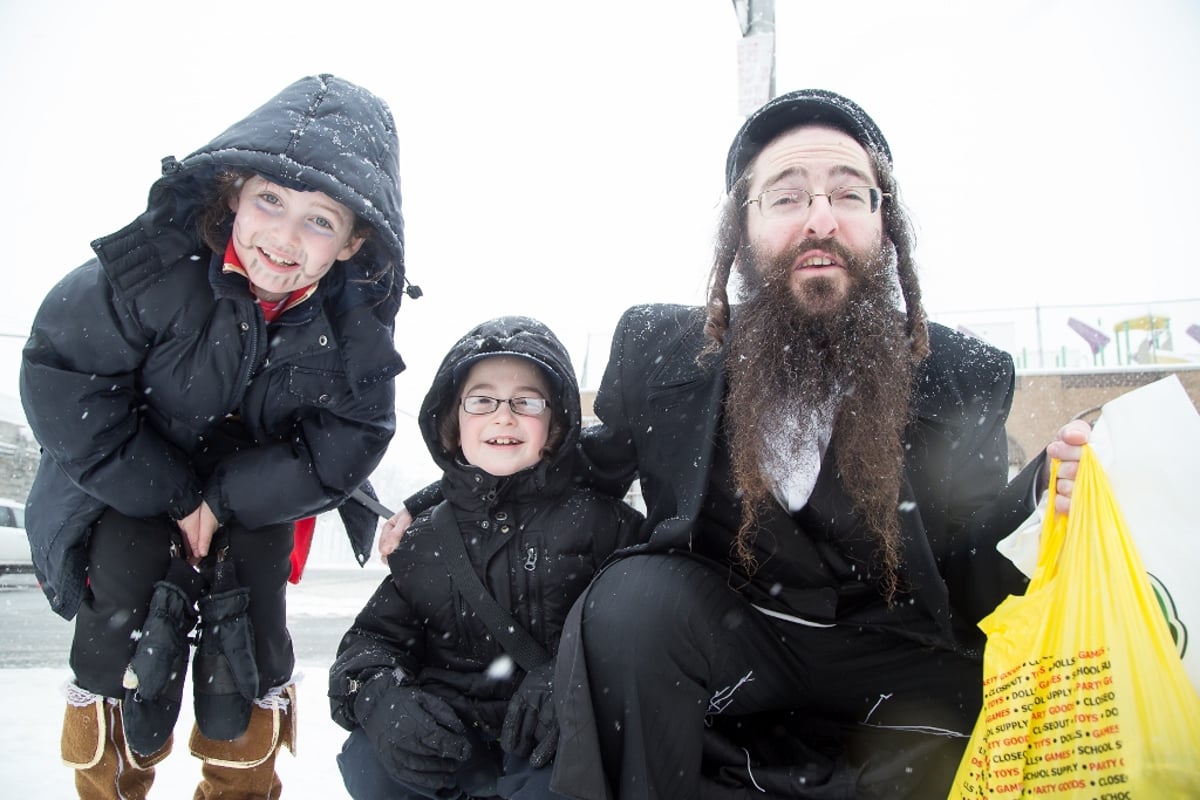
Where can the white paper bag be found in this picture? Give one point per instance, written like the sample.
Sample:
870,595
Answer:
1148,441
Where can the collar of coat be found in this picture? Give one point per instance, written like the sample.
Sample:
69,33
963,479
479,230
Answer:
270,309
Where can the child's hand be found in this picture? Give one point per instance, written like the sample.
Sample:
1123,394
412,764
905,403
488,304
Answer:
417,736
198,528
530,727
392,532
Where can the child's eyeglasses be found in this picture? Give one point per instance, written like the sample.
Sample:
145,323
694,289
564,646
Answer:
480,404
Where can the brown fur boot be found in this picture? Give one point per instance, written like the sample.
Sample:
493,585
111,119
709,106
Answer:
244,768
93,744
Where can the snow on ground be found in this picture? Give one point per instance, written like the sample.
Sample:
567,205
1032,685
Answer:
30,765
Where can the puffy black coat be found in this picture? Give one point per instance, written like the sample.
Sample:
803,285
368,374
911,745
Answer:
535,538
152,381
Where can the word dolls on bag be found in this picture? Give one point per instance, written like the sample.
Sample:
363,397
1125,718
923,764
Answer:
1084,693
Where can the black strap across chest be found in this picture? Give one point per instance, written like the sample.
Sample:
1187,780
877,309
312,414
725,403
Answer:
515,640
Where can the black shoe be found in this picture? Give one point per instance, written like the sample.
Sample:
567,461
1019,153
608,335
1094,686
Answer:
154,679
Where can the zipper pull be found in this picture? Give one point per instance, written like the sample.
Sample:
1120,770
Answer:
531,559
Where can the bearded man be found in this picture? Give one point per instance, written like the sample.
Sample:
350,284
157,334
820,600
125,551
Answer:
825,475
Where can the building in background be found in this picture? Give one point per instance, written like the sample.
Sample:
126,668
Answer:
19,455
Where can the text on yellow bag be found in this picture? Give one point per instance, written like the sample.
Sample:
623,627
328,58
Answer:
1084,693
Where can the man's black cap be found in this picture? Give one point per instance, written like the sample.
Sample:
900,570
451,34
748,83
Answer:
791,110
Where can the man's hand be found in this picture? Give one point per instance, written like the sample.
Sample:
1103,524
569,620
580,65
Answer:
1067,448
392,532
198,528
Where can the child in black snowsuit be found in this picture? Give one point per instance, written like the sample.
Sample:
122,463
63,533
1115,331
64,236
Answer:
222,368
435,705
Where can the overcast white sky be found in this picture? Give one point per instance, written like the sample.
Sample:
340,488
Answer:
1045,147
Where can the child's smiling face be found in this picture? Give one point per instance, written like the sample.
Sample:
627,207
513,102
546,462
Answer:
287,239
503,442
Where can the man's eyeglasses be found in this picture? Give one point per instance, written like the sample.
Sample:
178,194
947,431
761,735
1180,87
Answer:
846,201
479,404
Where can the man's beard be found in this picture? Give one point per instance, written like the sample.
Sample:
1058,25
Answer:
797,350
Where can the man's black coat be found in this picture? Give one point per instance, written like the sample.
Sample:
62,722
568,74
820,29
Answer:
660,411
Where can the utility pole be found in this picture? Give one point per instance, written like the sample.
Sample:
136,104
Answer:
756,53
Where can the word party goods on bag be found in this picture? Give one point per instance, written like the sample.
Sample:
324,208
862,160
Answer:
1084,693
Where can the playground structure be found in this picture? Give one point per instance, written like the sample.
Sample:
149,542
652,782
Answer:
1155,347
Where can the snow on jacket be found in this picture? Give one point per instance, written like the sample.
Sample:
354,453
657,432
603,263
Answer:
152,382
535,538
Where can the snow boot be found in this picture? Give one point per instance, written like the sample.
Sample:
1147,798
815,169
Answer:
225,671
93,744
154,678
244,769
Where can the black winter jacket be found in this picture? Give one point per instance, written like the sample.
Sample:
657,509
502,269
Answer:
660,411
535,538
152,381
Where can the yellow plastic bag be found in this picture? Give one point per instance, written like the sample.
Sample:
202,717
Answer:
1084,693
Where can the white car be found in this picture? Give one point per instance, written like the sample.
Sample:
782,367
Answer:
14,544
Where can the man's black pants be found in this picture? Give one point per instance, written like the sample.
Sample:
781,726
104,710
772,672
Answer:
685,673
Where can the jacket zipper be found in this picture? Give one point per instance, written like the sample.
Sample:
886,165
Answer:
252,353
534,587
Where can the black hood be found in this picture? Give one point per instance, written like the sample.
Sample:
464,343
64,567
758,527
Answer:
321,133
515,336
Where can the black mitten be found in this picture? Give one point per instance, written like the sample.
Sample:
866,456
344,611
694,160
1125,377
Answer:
530,727
225,672
154,679
417,736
